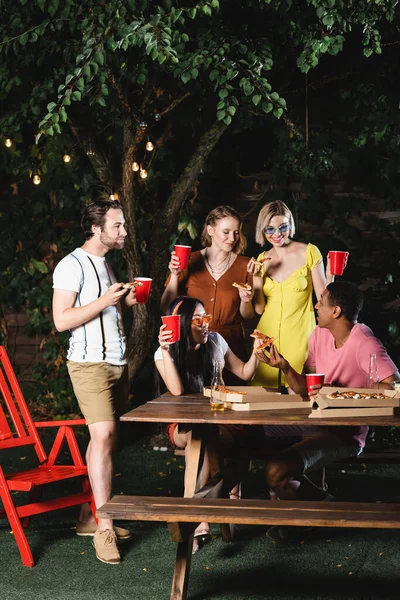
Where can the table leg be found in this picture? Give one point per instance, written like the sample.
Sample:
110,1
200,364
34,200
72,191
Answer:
184,550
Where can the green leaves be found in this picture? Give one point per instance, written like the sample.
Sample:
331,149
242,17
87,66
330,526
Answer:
39,266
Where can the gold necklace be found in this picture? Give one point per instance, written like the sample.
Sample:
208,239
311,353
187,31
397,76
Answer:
224,263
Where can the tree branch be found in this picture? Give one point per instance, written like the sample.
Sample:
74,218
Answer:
99,162
175,103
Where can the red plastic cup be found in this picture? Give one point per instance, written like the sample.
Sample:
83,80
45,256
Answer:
182,253
314,379
143,291
173,323
337,261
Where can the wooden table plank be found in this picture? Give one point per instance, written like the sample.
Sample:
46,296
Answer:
198,411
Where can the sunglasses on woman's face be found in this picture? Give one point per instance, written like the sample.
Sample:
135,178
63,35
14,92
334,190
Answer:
202,320
284,228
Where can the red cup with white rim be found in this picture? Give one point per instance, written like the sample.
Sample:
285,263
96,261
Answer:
314,379
173,323
337,261
143,291
182,253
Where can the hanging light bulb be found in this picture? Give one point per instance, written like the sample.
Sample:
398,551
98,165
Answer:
150,146
8,143
36,179
157,117
143,125
67,158
114,196
135,166
90,149
143,173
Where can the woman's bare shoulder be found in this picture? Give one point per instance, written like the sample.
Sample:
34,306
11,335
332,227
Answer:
298,247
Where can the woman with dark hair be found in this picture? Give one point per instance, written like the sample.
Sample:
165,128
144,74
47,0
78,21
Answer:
210,274
283,289
187,366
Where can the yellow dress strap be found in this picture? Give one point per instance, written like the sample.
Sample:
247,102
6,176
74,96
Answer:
313,256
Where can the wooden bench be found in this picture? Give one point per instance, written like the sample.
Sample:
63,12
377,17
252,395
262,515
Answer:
251,512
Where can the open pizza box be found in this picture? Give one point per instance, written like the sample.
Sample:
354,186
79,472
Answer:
257,398
359,398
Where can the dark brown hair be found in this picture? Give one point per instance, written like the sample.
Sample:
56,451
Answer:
95,214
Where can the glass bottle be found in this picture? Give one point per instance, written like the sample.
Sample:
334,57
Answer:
373,376
217,384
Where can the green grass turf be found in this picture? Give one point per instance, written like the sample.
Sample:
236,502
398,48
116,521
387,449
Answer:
330,565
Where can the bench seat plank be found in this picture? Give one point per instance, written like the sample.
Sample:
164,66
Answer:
251,512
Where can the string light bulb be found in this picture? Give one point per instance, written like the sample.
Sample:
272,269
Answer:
8,143
67,158
143,125
36,179
143,173
157,117
114,196
135,166
149,146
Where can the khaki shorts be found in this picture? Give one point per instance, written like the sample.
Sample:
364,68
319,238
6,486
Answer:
101,390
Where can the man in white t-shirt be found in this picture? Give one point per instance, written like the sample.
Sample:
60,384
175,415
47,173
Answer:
87,300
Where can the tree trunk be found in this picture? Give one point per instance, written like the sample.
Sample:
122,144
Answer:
146,316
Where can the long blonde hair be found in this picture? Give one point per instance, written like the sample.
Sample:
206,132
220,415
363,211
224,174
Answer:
276,208
218,213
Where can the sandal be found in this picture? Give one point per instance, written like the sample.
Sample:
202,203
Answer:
202,536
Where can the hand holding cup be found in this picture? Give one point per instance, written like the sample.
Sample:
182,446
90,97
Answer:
315,381
337,261
164,336
173,324
182,252
174,264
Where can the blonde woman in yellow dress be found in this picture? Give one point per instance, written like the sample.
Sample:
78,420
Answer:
283,289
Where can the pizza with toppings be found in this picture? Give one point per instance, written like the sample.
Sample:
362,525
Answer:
266,341
342,395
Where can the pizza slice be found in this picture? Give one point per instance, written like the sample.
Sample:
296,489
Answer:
266,341
259,263
242,286
336,396
131,284
349,394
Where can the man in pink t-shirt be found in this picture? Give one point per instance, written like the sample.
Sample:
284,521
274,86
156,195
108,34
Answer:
339,347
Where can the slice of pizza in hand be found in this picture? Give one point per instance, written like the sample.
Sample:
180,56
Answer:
131,284
266,341
242,286
259,263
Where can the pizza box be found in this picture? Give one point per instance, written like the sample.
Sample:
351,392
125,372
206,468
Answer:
377,411
294,403
245,394
324,402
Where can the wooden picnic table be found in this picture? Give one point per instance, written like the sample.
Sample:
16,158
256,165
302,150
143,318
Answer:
192,412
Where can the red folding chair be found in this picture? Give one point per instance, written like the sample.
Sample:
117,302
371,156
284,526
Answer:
17,429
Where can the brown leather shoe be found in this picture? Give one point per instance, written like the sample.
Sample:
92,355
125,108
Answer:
105,543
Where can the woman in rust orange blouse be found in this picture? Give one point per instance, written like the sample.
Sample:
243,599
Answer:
210,274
